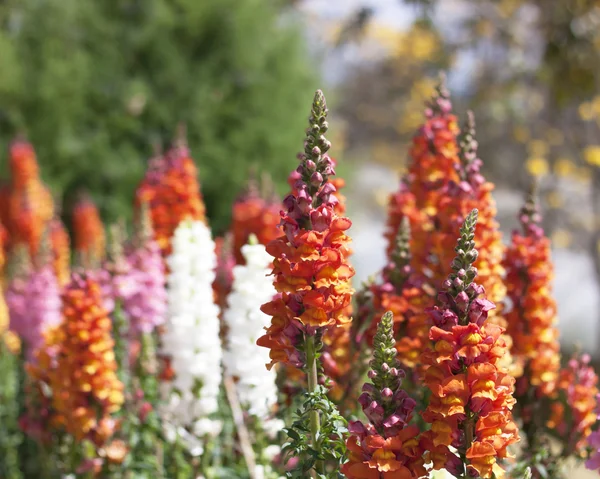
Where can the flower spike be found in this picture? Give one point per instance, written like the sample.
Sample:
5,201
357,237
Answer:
386,443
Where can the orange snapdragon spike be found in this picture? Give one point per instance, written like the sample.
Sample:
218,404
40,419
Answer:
88,231
387,445
26,203
435,152
310,267
254,214
61,251
532,321
574,417
443,185
171,189
406,295
471,394
457,200
80,366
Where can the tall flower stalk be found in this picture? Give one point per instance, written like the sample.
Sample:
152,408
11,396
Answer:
471,395
88,230
61,250
171,189
532,321
190,339
252,287
243,361
34,304
312,275
387,446
78,364
145,295
26,205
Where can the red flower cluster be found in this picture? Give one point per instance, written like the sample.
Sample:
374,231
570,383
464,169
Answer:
370,456
171,189
402,204
532,320
406,295
310,265
471,395
254,214
26,205
574,416
435,152
61,251
88,231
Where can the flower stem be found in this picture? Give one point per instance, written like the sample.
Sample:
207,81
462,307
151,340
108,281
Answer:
313,379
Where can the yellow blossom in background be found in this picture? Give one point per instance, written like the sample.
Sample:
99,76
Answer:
389,38
554,199
521,134
555,137
583,175
596,105
561,239
586,111
591,154
507,8
538,148
12,341
381,197
564,167
537,166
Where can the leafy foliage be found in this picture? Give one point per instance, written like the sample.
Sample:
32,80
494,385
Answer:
330,442
94,84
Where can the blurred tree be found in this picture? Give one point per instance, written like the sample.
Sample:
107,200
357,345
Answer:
94,84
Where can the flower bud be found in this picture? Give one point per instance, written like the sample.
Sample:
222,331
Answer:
387,393
316,179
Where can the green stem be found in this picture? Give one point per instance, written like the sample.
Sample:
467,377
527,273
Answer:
313,380
469,426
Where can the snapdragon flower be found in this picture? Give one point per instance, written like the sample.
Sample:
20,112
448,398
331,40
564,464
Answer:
34,306
242,358
191,338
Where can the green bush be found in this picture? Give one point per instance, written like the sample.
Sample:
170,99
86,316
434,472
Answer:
94,84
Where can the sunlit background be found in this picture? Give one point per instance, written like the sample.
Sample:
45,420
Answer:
98,86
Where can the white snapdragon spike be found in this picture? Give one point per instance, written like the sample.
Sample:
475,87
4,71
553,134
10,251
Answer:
242,358
191,339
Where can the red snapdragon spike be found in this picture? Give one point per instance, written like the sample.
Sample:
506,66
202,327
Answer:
26,205
443,186
471,394
532,321
88,231
310,267
171,189
574,414
61,251
254,214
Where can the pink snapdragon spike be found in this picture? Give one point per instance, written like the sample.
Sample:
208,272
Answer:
143,289
34,305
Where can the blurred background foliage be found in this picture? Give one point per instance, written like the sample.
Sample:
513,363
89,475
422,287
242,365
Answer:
95,86
529,69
